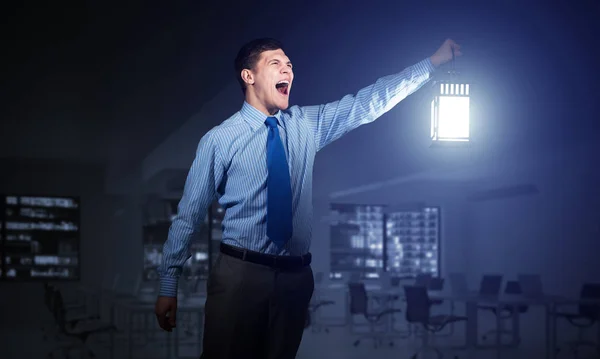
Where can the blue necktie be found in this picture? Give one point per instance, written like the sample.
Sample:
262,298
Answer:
279,188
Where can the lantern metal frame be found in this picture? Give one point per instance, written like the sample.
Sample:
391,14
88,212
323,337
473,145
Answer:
450,87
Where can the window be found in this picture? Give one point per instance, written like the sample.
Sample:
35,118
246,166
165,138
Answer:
366,240
40,238
413,242
356,241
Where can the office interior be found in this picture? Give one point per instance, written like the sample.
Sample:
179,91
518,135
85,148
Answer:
486,249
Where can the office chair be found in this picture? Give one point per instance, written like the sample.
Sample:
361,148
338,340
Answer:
71,328
531,285
436,284
586,316
49,299
359,305
423,279
490,285
395,282
418,305
506,312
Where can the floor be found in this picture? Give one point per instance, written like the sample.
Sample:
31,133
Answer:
337,344
25,340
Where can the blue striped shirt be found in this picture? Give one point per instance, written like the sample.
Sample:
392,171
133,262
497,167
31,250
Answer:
230,165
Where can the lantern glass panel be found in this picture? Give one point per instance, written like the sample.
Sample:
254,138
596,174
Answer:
453,118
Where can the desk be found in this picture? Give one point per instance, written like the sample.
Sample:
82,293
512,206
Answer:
473,299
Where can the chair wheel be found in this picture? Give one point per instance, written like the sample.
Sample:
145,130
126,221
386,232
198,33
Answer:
356,343
484,337
392,344
414,356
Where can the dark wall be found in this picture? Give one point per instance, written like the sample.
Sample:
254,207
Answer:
554,232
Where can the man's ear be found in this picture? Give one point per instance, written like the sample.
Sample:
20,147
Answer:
247,76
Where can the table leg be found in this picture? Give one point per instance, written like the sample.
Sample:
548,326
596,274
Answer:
498,332
471,326
516,326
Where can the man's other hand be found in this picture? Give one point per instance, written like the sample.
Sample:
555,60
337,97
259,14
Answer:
444,53
166,310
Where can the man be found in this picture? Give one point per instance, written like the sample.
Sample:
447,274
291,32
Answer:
259,165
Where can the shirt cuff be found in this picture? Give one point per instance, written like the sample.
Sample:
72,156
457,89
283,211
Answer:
168,287
425,66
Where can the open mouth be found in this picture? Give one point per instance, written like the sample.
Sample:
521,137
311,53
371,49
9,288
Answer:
282,87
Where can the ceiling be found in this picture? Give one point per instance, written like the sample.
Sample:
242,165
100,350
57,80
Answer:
98,83
105,84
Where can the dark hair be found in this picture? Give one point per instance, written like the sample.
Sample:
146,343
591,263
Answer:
249,54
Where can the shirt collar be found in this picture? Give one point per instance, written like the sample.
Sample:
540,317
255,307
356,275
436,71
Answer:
254,117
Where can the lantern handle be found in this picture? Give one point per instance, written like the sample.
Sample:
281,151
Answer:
452,71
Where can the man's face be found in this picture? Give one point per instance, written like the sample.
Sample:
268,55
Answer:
271,81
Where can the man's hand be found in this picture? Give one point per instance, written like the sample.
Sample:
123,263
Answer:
444,53
166,310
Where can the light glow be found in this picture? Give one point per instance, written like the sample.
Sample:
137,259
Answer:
450,113
453,120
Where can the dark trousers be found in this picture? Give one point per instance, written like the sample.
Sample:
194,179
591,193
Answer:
254,311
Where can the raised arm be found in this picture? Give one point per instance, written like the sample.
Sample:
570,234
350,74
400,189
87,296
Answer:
199,191
332,120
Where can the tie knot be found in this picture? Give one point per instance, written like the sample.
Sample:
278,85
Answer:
271,122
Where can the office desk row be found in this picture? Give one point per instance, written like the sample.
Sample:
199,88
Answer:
472,301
